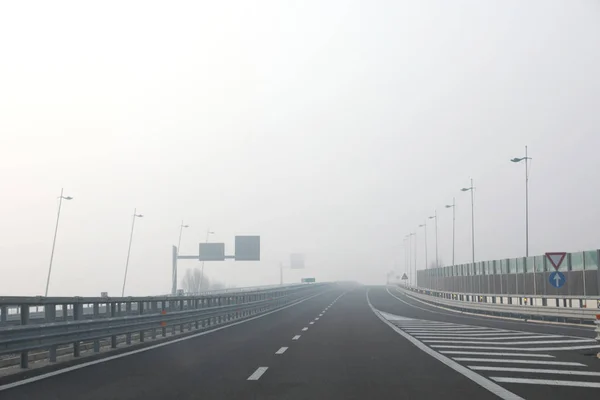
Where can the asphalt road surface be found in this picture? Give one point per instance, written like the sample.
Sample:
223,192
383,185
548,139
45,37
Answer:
350,342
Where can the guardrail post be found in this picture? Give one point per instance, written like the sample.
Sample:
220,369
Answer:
77,312
50,316
65,311
113,313
181,308
96,315
128,312
4,313
140,306
24,321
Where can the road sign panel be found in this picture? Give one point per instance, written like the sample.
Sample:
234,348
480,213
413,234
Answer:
212,252
247,248
404,277
308,280
556,258
296,261
557,279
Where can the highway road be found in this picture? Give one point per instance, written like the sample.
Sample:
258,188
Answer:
349,342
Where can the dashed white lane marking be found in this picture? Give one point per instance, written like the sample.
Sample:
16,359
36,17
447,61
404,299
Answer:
311,322
548,382
142,350
534,370
489,353
511,343
281,350
320,315
304,329
296,337
258,373
500,360
316,319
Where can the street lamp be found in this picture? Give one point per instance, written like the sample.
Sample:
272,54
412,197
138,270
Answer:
208,233
180,232
526,159
424,225
437,261
61,198
472,189
453,207
407,257
135,215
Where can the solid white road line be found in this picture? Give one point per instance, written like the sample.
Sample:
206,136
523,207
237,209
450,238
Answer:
129,353
450,330
475,377
547,382
258,373
504,360
281,350
534,370
304,329
489,353
296,337
494,338
512,343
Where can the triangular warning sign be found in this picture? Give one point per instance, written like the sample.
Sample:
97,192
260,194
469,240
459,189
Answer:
404,277
556,259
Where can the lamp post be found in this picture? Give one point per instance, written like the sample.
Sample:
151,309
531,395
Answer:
453,207
437,261
174,272
424,225
135,215
472,189
526,159
61,198
208,233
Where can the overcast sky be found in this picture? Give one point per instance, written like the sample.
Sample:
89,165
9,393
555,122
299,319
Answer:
331,128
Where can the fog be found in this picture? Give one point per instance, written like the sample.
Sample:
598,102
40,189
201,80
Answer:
329,128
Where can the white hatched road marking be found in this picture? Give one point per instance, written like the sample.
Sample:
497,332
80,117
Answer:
445,338
258,373
490,353
281,350
451,346
512,343
548,382
501,360
533,370
468,335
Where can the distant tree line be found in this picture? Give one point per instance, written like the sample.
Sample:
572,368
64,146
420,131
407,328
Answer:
193,282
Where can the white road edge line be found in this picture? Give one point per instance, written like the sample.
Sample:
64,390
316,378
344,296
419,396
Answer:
129,353
281,350
548,382
480,380
296,337
258,373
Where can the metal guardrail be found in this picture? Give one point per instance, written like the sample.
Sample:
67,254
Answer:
10,306
478,303
152,314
